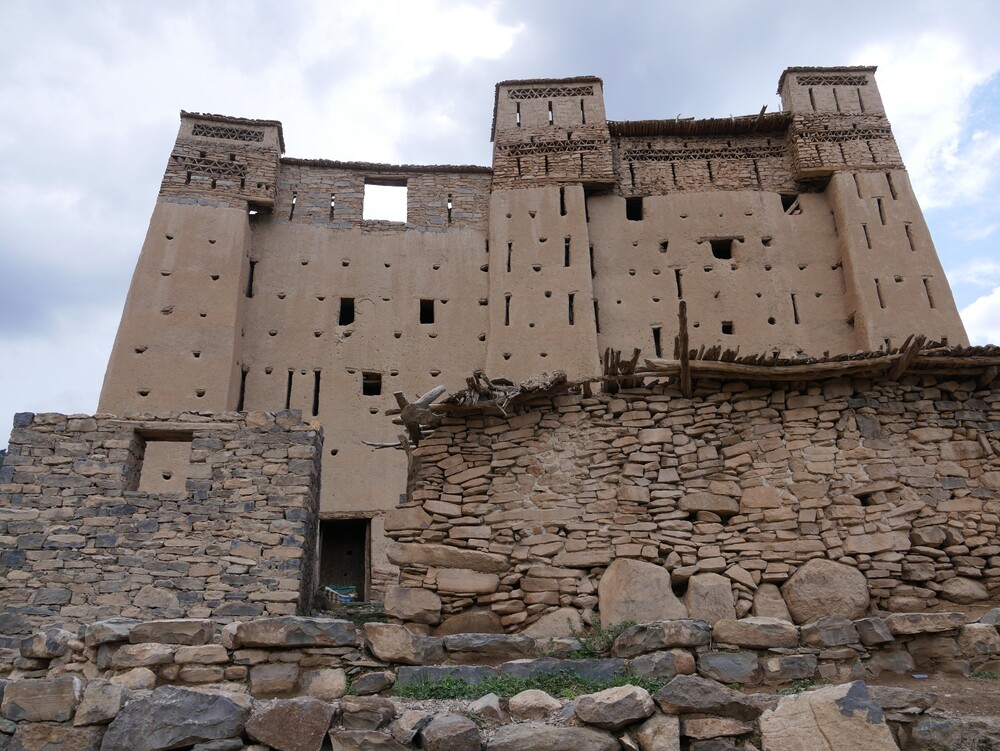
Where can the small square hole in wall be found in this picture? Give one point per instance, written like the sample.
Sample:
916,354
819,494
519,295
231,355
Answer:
722,248
727,327
371,384
385,201
164,461
633,209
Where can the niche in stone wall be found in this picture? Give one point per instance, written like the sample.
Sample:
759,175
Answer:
163,461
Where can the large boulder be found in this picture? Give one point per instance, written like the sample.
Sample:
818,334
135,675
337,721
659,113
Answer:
710,598
659,733
101,703
488,649
614,708
46,645
42,699
537,737
187,631
176,717
298,724
393,643
364,740
821,587
653,637
413,605
637,591
475,621
561,622
295,631
834,718
909,624
532,704
729,667
964,591
757,633
690,694
450,732
768,603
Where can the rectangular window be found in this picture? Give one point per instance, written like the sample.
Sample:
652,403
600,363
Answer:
371,384
427,311
385,201
346,311
633,209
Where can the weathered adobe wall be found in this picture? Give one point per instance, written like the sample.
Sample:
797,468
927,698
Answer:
281,682
186,515
898,480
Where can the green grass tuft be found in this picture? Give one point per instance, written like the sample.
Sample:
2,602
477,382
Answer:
564,685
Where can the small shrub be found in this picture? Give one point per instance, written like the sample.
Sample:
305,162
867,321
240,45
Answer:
802,684
596,640
985,675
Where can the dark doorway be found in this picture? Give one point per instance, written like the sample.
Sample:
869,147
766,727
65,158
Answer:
343,558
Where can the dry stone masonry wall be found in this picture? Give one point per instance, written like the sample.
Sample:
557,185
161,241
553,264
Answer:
731,492
183,515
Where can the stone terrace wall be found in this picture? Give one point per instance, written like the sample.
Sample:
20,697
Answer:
187,515
523,515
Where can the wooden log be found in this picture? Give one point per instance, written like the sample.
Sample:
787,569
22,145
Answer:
909,351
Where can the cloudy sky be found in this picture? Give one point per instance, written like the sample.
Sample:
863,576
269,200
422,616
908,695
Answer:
90,94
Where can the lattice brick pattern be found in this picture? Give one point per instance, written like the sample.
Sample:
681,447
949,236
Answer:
832,80
552,147
223,131
834,136
213,167
680,155
550,92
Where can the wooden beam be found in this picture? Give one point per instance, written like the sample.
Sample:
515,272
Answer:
708,368
911,348
989,375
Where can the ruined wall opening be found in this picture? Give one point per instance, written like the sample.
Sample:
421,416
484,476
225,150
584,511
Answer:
633,209
346,317
343,555
427,311
384,200
722,248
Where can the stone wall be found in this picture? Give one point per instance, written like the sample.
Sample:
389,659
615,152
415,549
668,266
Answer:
185,515
521,516
287,682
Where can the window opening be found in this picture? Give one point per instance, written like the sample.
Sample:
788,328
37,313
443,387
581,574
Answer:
927,289
631,176
551,119
506,309
519,166
346,317
593,267
727,328
371,384
566,251
597,317
295,198
795,310
581,162
449,208
427,311
909,236
253,266
881,210
385,201
677,281
562,201
517,115
857,183
868,238
657,342
633,209
722,248
878,292
892,185
315,404
572,296
583,113
288,390
812,100
790,204
243,390
333,204
344,556
510,252
836,99
546,164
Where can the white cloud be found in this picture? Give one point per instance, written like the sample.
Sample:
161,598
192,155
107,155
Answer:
927,86
981,272
982,318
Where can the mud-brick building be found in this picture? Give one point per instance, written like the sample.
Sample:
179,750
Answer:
265,283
